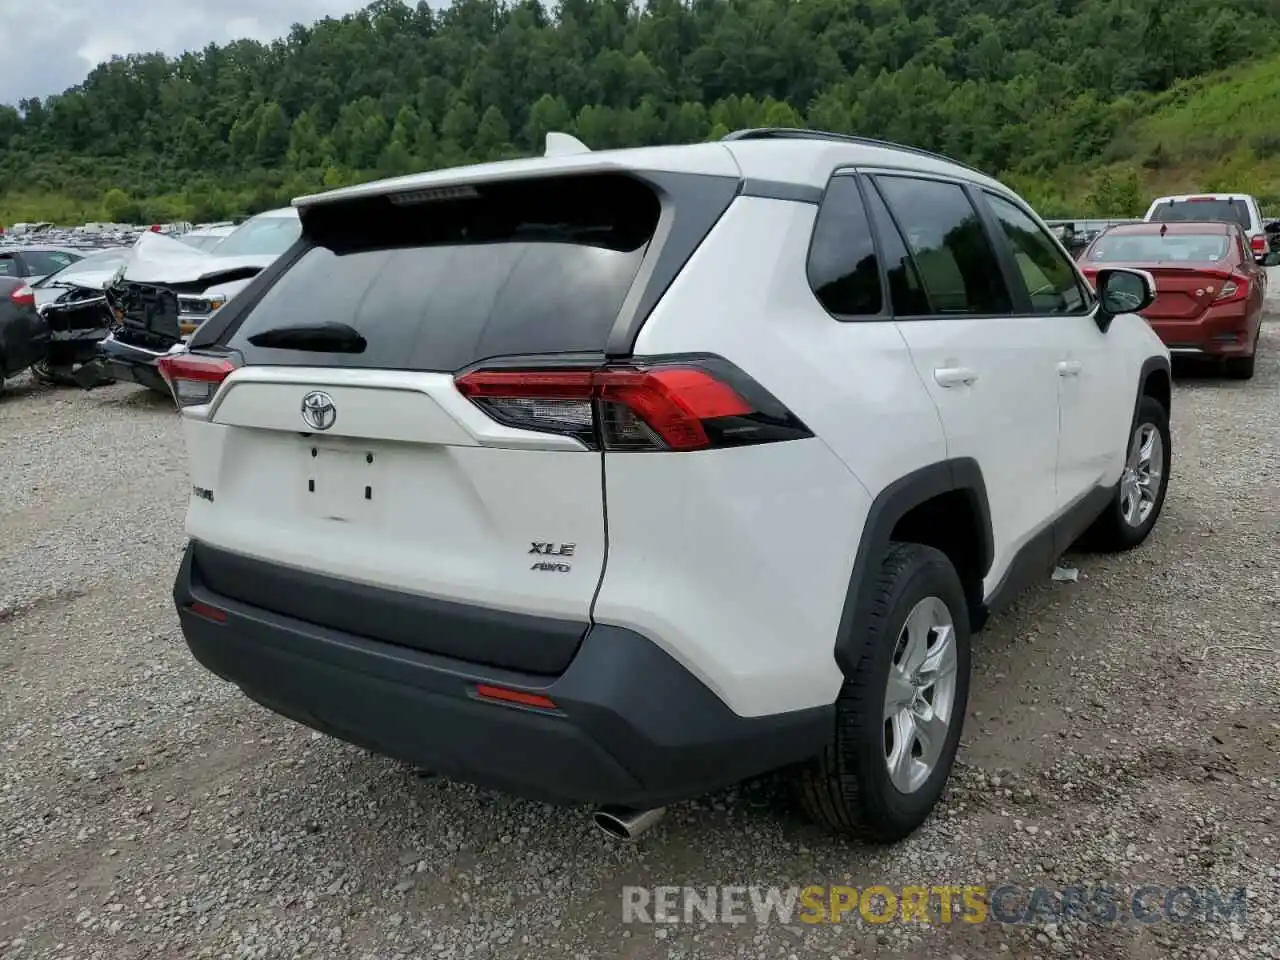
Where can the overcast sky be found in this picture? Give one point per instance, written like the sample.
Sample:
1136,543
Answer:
49,45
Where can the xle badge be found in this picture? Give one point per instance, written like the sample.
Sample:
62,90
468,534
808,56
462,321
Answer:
551,550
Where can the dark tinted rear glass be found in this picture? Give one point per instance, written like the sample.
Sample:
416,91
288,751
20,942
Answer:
1222,211
843,270
520,268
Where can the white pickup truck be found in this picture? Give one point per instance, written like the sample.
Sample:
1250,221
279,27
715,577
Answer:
1238,208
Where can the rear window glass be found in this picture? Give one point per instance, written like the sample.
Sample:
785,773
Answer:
260,237
1153,248
517,268
94,262
41,263
1182,211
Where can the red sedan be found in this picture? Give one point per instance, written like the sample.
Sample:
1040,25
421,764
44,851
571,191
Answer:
1209,287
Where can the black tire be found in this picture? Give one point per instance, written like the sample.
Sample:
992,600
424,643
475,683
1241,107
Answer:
847,789
51,376
1241,368
1111,533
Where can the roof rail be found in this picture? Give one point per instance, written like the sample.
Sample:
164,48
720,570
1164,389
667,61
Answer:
797,133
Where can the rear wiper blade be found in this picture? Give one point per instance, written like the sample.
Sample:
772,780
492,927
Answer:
317,337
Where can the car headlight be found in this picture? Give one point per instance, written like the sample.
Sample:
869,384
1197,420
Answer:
200,307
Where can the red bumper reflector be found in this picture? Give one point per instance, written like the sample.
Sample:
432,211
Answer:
489,692
208,612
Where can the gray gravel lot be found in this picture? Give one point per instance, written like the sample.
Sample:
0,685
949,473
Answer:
1124,729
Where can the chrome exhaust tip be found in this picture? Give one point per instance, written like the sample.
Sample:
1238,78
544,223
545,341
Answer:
624,824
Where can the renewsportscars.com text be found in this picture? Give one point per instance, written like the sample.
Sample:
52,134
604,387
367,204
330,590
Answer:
934,904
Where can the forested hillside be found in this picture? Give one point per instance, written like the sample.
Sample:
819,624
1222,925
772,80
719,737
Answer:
1026,88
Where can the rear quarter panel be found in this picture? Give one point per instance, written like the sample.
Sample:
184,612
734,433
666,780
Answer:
737,561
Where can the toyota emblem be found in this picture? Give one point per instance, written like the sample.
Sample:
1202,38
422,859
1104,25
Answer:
318,410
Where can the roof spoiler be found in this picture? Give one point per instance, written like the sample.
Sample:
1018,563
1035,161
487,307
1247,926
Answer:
563,145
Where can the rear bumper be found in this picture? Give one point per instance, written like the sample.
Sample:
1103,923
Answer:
631,727
130,364
1223,331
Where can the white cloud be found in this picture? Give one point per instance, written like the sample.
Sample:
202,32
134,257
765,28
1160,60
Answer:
49,47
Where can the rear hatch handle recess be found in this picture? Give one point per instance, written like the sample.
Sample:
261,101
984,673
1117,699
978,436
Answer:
315,337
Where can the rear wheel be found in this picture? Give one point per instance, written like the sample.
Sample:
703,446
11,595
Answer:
899,716
1139,497
1241,368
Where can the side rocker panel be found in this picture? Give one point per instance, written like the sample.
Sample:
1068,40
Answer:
893,503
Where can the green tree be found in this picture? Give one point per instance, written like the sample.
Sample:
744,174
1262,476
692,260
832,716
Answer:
1117,193
459,125
398,157
117,206
493,136
547,115
273,134
304,142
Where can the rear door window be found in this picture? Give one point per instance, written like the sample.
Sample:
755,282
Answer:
528,267
952,252
906,292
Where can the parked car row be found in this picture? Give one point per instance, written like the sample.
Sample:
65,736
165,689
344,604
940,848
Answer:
1207,254
90,318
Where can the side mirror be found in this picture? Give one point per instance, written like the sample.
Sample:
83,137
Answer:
1122,290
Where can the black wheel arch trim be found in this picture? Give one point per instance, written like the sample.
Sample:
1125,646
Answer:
895,501
1150,366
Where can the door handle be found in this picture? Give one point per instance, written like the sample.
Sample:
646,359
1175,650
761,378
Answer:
1069,368
954,376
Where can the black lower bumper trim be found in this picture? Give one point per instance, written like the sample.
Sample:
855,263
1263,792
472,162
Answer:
540,645
632,726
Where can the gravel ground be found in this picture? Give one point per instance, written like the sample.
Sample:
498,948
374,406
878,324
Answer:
1123,729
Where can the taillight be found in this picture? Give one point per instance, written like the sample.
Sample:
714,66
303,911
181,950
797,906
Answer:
1234,288
1258,245
23,296
193,378
676,405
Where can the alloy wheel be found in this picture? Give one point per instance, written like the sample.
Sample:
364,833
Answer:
920,694
1143,474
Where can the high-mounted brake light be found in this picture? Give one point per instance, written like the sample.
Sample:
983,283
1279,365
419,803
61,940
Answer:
194,379
23,296
675,405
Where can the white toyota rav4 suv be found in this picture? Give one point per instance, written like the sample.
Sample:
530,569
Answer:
616,478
